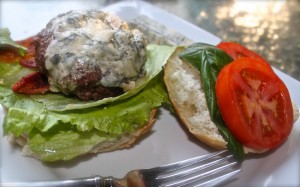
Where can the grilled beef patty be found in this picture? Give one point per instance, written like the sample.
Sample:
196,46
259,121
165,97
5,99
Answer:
91,54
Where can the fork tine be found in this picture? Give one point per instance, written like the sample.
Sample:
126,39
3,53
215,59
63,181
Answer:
181,164
205,169
189,169
220,179
199,176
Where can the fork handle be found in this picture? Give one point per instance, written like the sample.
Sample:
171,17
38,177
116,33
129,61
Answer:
95,181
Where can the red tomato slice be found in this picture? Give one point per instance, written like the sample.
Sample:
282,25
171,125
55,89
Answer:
34,83
236,51
255,104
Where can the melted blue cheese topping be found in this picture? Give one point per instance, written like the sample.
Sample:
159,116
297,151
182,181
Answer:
93,41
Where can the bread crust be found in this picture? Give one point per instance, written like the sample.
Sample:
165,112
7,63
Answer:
177,74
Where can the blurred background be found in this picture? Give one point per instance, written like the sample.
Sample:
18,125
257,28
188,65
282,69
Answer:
268,27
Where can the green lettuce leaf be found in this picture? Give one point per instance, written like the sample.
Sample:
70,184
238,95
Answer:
65,134
45,128
11,73
49,147
6,41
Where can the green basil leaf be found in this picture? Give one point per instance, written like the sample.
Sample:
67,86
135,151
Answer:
209,60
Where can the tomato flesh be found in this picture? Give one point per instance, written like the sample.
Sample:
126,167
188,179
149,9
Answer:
254,103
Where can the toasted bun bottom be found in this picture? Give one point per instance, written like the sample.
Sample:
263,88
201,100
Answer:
124,141
184,87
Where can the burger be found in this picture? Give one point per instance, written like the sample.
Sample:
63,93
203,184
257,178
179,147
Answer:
101,85
91,54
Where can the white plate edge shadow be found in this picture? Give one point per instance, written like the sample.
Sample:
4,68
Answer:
268,175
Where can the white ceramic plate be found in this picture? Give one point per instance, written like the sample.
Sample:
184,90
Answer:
168,141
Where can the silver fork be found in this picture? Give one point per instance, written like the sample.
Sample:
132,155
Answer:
205,170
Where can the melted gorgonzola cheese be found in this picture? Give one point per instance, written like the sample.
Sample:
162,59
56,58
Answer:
93,41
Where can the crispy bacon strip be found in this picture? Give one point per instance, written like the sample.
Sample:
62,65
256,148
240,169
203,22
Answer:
34,83
9,55
28,60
